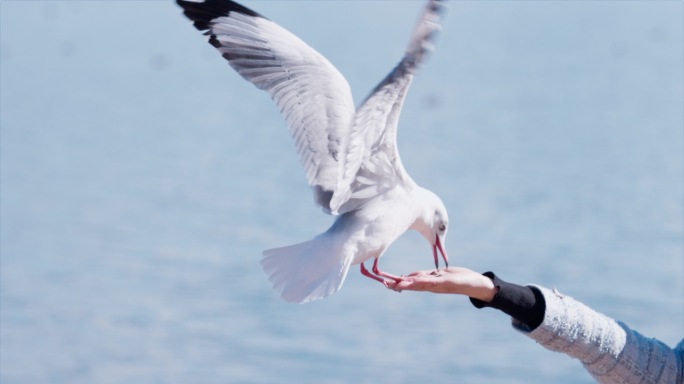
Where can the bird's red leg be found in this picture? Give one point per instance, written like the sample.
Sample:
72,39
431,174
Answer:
378,272
367,273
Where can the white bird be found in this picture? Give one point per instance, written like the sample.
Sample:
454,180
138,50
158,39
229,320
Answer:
350,155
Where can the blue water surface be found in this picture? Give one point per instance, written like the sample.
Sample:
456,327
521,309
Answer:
141,179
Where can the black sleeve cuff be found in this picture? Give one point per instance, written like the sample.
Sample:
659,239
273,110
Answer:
525,304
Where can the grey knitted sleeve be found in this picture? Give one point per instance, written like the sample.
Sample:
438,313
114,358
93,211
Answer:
609,350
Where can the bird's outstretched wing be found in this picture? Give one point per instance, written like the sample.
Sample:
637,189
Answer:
311,93
371,164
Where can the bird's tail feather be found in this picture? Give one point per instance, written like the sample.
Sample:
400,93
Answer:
306,271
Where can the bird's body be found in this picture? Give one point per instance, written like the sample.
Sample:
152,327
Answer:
350,155
354,237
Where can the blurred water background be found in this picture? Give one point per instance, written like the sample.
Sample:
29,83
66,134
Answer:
141,179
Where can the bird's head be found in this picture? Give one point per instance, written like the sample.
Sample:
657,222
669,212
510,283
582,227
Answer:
433,223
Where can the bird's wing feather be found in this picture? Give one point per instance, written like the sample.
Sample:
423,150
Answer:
371,163
311,93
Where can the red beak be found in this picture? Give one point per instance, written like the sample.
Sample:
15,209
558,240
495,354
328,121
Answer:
435,247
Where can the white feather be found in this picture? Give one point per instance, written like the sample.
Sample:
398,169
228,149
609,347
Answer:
350,156
306,271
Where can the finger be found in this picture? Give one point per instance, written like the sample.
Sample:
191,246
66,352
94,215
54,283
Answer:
401,285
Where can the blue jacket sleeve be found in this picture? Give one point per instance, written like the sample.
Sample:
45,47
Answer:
609,350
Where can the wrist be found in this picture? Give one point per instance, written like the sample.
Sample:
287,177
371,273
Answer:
485,290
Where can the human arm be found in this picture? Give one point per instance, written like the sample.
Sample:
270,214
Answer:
453,280
609,350
485,290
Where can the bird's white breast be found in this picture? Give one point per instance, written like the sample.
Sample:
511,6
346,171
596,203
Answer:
367,232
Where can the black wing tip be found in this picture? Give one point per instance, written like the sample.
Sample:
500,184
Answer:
202,13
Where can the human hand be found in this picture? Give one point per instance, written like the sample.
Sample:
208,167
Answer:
454,280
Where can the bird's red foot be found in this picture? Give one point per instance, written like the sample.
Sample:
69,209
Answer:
383,277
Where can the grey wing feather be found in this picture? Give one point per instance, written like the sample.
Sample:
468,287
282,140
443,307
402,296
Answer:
371,163
311,93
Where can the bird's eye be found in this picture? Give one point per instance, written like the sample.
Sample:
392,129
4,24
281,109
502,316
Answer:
442,227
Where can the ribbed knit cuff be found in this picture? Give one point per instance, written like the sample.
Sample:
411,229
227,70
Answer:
523,303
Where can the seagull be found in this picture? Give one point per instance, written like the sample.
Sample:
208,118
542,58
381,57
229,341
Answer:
349,154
